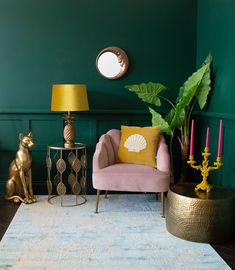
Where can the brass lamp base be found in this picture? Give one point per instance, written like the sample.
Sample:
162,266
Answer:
69,131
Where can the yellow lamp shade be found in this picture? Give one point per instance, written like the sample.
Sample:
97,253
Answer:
69,97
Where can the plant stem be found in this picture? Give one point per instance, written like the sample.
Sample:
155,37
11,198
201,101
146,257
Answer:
190,112
166,99
171,153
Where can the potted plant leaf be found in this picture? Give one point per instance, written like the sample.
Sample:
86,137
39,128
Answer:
195,89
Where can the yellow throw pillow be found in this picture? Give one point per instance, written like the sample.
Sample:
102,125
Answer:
138,145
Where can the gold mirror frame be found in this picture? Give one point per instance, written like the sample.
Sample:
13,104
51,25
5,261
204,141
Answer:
121,62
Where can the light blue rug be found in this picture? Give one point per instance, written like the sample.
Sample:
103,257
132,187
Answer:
128,233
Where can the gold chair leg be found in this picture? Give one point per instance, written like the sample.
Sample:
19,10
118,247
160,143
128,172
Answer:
106,194
97,200
163,204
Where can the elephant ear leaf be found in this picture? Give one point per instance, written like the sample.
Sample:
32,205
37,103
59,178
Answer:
157,120
188,92
178,122
148,92
204,87
170,116
208,60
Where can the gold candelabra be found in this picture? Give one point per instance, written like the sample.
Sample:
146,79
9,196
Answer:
205,169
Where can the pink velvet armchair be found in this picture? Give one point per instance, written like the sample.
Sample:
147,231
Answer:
108,175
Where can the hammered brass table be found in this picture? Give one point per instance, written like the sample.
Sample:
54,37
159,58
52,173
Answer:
199,216
68,167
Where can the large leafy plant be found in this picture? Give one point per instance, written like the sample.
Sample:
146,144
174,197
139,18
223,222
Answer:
195,89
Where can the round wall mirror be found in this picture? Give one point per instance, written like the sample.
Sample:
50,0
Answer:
112,62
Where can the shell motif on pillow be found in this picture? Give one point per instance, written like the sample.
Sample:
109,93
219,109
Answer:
135,143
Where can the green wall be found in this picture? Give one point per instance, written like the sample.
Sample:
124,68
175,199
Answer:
216,33
54,41
57,41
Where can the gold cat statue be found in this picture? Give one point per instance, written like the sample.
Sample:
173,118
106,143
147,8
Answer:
19,185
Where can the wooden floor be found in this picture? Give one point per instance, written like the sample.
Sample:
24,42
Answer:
8,210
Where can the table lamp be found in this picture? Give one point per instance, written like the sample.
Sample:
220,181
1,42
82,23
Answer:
70,98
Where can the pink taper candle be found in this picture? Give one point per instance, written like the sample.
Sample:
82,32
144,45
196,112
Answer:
207,137
220,138
192,138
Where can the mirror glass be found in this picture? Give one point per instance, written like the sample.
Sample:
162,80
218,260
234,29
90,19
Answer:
112,62
108,64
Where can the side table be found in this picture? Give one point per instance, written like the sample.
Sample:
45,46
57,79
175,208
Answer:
67,168
199,216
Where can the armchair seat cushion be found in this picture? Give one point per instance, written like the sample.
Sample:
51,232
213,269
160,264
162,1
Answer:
132,178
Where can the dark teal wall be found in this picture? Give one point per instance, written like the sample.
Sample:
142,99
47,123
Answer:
57,41
54,41
216,33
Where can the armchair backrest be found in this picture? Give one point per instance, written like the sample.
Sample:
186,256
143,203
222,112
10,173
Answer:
111,141
115,137
106,140
107,149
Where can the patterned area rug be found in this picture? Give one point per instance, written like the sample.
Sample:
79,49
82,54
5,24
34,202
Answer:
128,233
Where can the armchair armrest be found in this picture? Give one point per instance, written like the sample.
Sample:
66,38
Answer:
100,157
163,157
